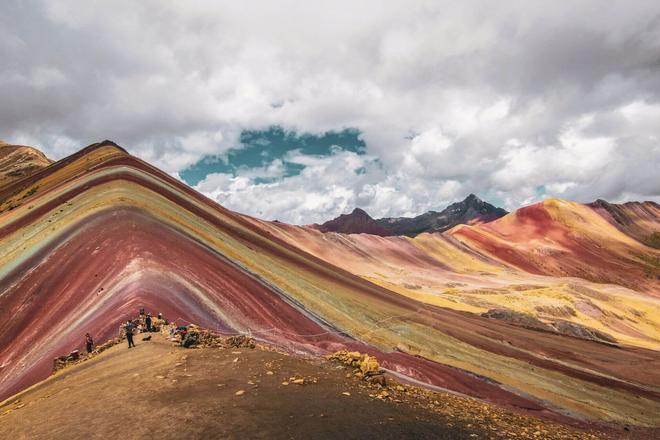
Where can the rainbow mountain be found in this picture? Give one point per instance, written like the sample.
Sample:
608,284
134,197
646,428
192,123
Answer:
553,309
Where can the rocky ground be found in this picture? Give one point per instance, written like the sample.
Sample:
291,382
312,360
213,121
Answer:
161,390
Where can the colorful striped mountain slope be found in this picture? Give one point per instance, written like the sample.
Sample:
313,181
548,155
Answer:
86,241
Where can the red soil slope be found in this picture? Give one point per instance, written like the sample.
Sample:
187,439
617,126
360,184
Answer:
563,238
640,220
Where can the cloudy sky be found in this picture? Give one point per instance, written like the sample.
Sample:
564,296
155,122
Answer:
300,111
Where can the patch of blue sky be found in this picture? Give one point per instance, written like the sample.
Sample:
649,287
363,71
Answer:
259,148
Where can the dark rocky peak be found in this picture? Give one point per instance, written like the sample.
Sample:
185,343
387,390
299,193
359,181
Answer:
357,222
472,199
468,211
358,213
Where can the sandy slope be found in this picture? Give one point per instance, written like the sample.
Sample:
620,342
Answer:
18,161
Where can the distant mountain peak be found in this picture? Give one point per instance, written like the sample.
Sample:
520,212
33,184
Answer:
361,212
471,210
357,222
472,198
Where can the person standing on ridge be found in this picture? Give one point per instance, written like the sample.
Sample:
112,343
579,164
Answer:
128,328
148,322
89,342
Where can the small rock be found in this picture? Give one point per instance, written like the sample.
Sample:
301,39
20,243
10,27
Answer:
346,393
378,380
240,392
369,365
285,383
269,373
298,381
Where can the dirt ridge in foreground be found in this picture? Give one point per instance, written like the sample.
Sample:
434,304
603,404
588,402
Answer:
163,390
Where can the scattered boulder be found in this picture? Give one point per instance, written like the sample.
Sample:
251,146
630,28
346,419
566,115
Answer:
366,367
240,341
369,365
383,395
378,379
206,338
59,363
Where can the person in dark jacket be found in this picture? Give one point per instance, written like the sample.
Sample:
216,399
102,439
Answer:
128,328
89,342
147,321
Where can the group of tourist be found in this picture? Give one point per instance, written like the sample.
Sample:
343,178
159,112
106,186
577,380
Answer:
144,323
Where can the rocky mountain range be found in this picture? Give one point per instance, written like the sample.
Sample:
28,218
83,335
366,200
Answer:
470,211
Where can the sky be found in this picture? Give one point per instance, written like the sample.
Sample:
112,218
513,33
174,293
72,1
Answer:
301,111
